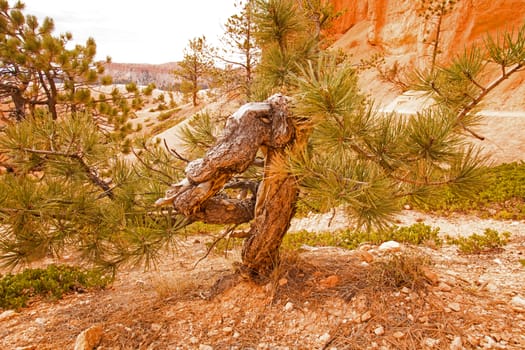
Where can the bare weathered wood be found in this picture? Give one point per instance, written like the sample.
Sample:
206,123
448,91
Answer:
262,125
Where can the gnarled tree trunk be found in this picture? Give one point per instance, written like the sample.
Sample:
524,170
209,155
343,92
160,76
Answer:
262,125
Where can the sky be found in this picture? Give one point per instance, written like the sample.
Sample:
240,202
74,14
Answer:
136,31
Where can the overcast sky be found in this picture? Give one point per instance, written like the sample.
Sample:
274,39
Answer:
136,31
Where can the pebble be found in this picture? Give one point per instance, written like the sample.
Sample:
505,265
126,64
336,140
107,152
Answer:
7,315
379,330
89,338
390,246
431,342
227,330
40,321
205,347
194,340
398,335
324,338
454,307
430,275
366,316
457,344
518,302
444,287
289,306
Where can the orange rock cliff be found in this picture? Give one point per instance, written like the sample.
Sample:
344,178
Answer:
396,27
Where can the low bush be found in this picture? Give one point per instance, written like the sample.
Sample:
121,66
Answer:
476,243
52,282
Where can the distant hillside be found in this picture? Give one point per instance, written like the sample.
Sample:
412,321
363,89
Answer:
143,74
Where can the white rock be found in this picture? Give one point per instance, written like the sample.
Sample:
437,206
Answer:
454,307
489,343
457,344
289,306
379,330
7,315
390,246
40,321
366,316
194,340
431,342
518,301
324,338
205,347
227,330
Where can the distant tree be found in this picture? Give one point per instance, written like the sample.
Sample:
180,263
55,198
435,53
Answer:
240,51
195,67
433,12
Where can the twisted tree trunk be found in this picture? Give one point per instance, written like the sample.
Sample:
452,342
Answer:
262,125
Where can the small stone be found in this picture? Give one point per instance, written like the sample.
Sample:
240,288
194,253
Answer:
236,335
366,316
488,342
390,246
324,338
7,315
89,338
492,287
444,287
283,281
498,261
227,330
407,207
457,344
430,275
518,302
329,282
289,306
194,340
205,347
379,330
454,307
40,321
405,290
431,342
156,327
398,335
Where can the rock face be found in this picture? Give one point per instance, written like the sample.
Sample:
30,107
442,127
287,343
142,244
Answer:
397,27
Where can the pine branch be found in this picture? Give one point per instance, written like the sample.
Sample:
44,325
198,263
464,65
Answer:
91,173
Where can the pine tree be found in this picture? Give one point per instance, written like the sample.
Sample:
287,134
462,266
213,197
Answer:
196,66
329,147
38,70
240,51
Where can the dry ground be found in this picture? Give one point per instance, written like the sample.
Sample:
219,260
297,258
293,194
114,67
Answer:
323,298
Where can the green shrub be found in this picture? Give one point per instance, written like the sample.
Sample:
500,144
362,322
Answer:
501,198
52,282
418,233
476,243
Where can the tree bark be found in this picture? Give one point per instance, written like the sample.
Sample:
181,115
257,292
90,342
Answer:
261,125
